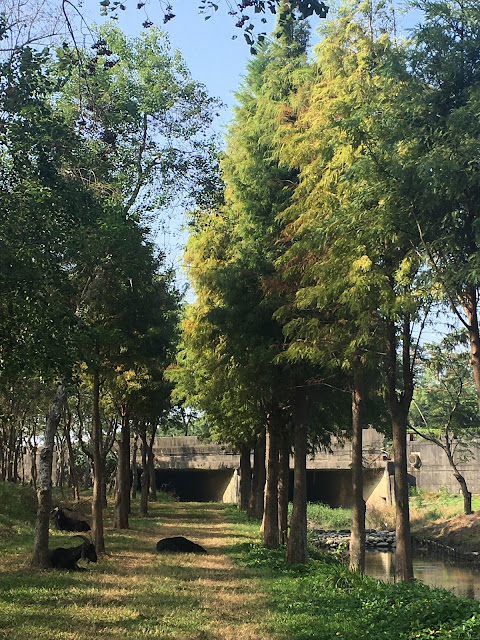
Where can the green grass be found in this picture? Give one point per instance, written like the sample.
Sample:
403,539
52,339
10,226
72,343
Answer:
239,591
442,501
325,601
324,517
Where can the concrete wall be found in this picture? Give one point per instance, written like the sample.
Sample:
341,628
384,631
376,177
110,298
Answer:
429,466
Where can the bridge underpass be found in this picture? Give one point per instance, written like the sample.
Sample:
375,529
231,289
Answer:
194,485
204,472
332,487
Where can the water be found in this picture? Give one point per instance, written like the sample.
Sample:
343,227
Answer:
463,580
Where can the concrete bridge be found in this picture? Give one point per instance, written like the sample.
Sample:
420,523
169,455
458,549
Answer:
209,472
197,471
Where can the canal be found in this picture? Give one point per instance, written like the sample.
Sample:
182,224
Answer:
462,579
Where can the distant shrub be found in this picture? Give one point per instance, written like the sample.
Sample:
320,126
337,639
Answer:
324,517
17,502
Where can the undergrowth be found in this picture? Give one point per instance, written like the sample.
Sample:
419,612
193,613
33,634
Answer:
132,592
325,601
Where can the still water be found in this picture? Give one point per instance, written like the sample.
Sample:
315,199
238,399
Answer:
463,580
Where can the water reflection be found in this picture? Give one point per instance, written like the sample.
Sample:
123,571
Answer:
464,581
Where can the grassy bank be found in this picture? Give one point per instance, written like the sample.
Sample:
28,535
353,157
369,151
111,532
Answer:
238,591
436,515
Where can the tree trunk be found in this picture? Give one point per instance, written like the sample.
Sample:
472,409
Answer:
33,456
44,484
470,307
398,407
357,538
98,471
403,552
33,467
467,496
297,551
134,468
283,486
122,496
257,497
245,476
152,478
271,538
144,480
87,476
71,458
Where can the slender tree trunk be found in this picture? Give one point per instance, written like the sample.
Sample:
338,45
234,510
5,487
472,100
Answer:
144,480
357,538
403,552
16,459
297,551
87,476
33,467
44,485
98,471
71,457
152,479
271,538
257,497
245,476
2,457
33,454
470,307
122,496
134,468
467,496
398,407
11,454
62,466
283,486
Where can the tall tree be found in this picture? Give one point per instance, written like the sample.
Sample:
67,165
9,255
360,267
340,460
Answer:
440,177
445,409
347,241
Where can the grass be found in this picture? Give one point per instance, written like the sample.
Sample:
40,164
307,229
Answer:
325,601
428,504
324,517
240,590
426,507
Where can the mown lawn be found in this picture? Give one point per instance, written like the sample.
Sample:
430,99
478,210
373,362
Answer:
238,591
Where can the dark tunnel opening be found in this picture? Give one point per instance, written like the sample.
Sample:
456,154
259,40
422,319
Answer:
193,485
332,487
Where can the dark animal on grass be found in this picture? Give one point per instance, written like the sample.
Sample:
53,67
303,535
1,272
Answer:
65,523
179,543
62,558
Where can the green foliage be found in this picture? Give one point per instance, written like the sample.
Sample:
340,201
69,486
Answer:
18,508
440,501
325,517
325,600
146,120
445,399
45,211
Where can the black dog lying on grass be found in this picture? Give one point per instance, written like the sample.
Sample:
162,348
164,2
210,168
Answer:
179,543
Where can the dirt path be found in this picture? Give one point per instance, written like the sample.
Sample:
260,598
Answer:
226,599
